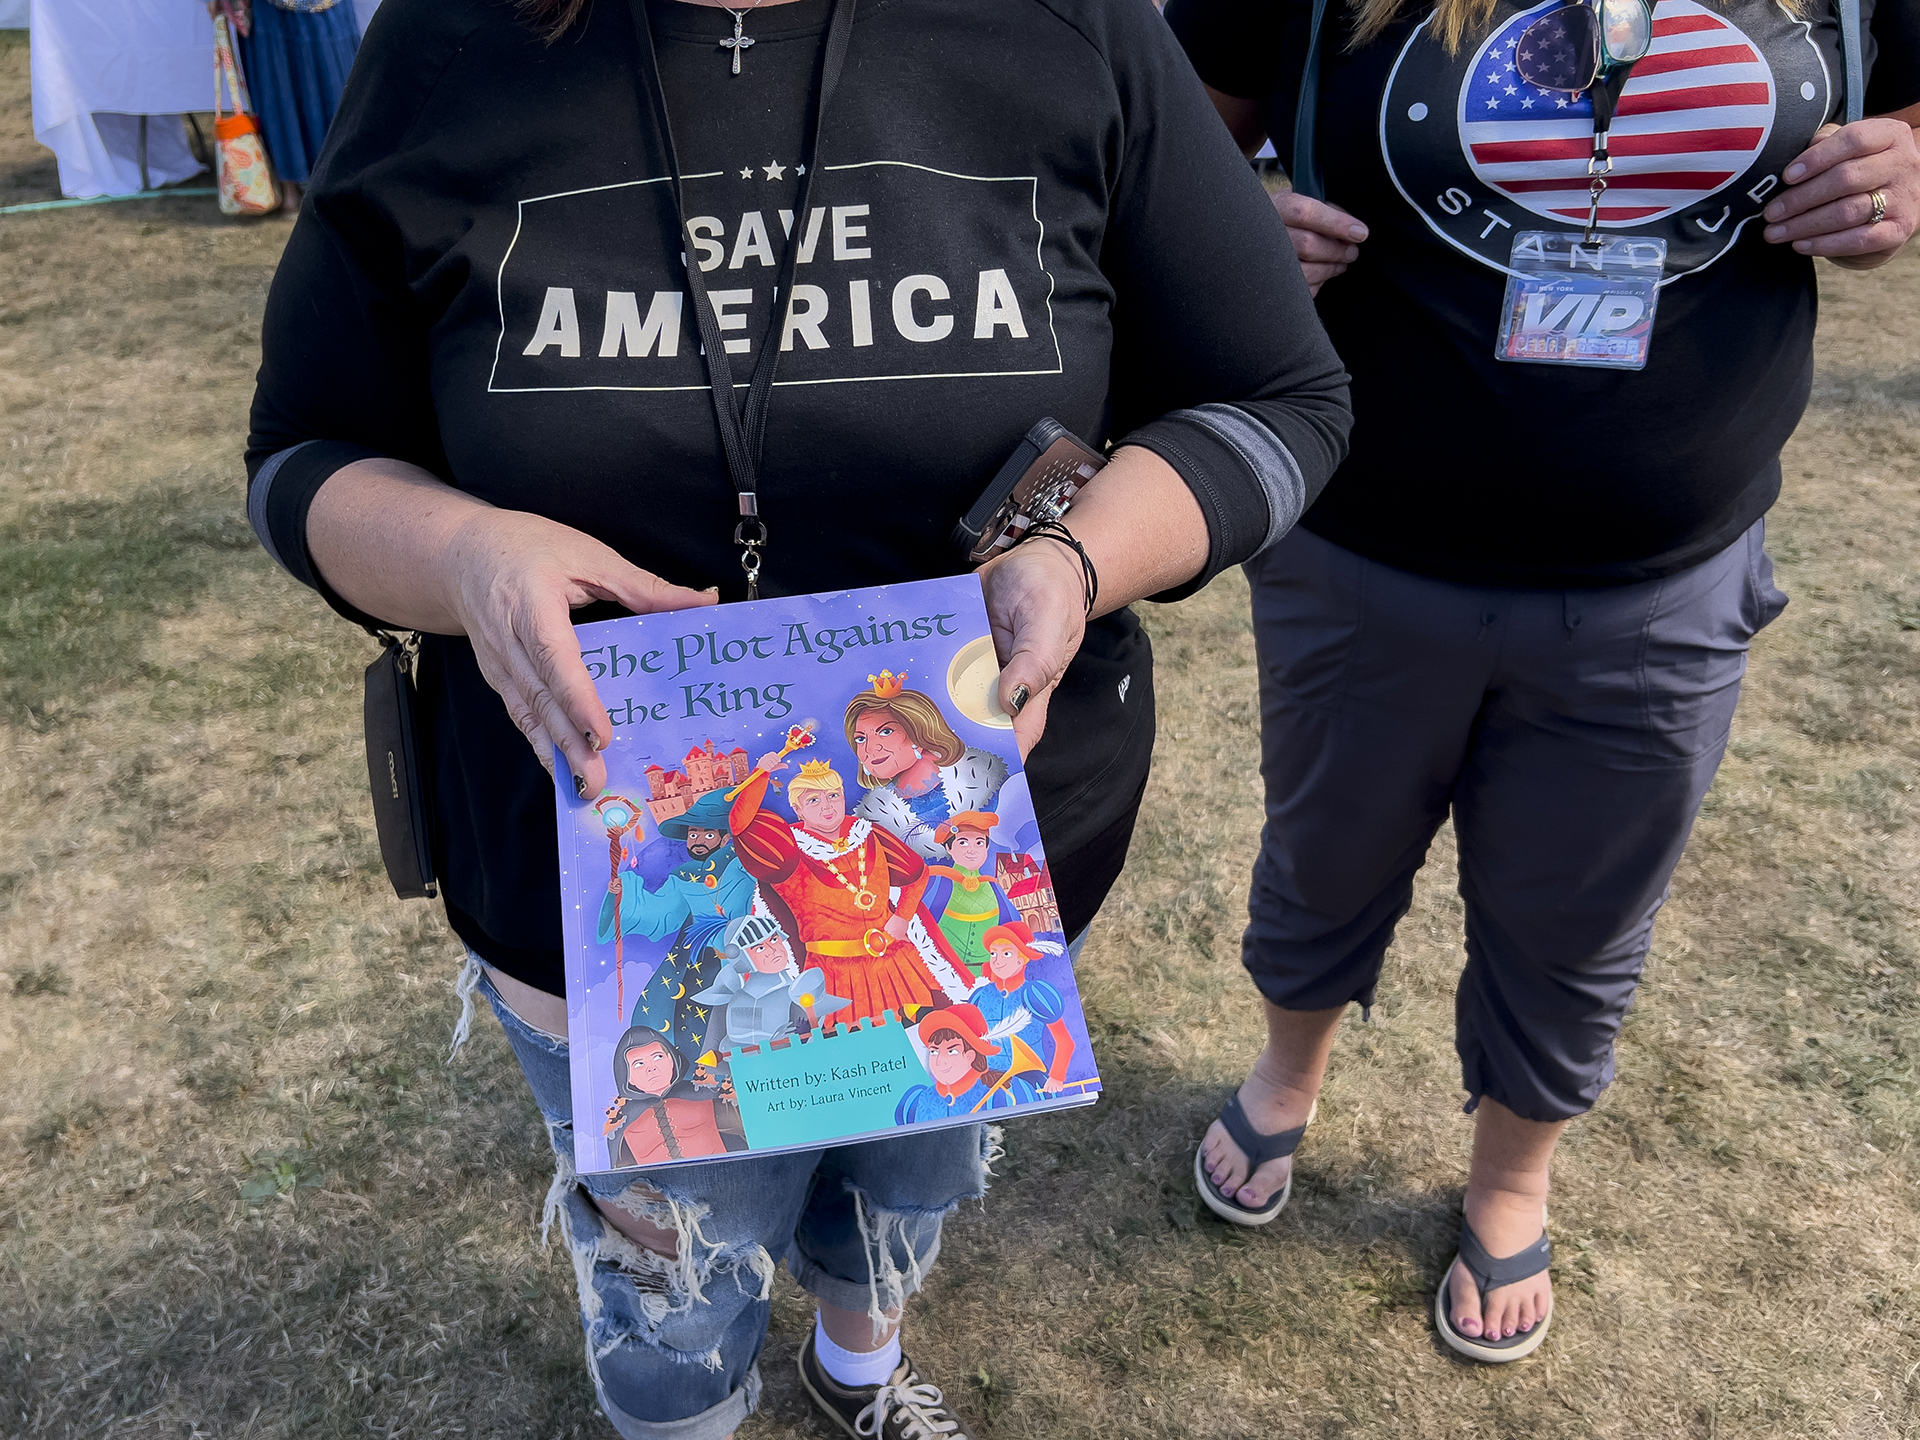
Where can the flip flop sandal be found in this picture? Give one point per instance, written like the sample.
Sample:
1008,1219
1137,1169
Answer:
1258,1149
1490,1274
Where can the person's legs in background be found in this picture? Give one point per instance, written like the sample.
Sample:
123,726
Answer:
1370,679
1599,739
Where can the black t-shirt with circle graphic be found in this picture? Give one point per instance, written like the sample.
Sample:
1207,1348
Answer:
1474,469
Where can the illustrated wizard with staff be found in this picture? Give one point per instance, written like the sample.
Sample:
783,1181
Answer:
709,887
837,873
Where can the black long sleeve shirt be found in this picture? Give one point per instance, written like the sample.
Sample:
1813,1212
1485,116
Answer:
1026,208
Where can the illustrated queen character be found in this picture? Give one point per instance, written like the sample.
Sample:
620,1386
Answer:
837,874
918,773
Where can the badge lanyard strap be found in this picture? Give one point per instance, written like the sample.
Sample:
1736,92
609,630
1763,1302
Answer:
743,441
1605,92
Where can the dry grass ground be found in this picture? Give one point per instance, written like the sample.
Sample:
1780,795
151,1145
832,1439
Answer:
241,1195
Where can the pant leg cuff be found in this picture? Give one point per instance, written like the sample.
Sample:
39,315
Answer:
714,1423
854,1295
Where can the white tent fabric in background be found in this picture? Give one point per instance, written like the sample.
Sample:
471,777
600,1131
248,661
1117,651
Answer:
98,66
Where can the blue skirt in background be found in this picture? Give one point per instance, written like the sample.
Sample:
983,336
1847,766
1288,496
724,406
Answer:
296,65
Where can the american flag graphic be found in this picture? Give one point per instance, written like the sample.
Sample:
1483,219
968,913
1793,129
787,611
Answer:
1695,114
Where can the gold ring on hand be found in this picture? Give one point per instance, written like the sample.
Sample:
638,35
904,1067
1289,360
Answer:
1879,200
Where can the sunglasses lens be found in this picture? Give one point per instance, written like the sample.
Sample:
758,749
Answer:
1628,29
1560,50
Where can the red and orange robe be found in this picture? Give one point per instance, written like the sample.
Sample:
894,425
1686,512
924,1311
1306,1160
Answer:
842,917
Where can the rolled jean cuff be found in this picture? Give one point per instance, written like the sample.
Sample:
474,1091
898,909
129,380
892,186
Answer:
714,1423
861,1295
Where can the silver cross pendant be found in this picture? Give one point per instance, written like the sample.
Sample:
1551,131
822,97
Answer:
740,40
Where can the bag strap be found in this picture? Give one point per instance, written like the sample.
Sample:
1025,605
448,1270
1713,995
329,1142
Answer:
226,64
1852,53
1304,172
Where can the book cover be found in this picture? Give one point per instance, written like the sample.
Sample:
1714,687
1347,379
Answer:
812,904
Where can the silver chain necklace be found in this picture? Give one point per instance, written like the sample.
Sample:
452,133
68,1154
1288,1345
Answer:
740,40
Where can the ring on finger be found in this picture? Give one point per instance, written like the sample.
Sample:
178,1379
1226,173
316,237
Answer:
1879,200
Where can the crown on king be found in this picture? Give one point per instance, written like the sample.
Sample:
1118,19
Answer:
887,684
818,770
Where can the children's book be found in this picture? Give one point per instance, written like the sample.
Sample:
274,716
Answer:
812,905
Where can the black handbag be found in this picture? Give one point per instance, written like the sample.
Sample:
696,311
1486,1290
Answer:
394,775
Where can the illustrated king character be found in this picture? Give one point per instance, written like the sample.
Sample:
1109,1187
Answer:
836,875
964,902
917,771
762,995
1029,1014
958,1052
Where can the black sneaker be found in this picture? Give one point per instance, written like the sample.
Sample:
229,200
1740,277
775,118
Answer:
905,1408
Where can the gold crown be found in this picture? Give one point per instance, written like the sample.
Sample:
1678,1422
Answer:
887,684
817,770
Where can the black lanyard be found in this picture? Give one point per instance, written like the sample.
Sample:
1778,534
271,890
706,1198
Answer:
1605,95
743,441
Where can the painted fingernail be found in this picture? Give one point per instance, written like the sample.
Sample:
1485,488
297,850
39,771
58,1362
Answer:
580,786
1020,697
1794,172
593,741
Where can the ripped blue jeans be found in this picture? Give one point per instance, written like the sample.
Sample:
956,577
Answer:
673,1344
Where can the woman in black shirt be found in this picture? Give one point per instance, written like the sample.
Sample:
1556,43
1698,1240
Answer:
483,406
1527,601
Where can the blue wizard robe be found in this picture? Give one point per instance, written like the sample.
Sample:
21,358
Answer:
716,888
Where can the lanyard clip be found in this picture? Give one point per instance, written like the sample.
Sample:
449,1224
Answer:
1599,166
750,535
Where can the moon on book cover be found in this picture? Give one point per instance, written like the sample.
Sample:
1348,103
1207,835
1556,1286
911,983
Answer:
973,682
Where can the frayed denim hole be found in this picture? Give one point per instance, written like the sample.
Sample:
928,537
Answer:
888,1282
472,978
993,1150
662,1286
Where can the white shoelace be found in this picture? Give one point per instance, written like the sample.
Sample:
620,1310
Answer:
919,1404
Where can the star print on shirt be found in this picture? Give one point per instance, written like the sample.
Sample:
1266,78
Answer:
775,170
746,172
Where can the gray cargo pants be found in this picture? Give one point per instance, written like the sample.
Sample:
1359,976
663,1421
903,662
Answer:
1572,733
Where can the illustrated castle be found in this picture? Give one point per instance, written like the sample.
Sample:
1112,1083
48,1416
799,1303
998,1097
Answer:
1029,885
705,768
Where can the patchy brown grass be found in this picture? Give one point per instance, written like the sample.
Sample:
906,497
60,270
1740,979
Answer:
241,1195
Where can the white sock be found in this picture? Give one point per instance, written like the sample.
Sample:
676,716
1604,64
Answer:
855,1369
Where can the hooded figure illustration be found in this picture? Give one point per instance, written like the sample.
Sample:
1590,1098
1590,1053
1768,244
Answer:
658,1113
